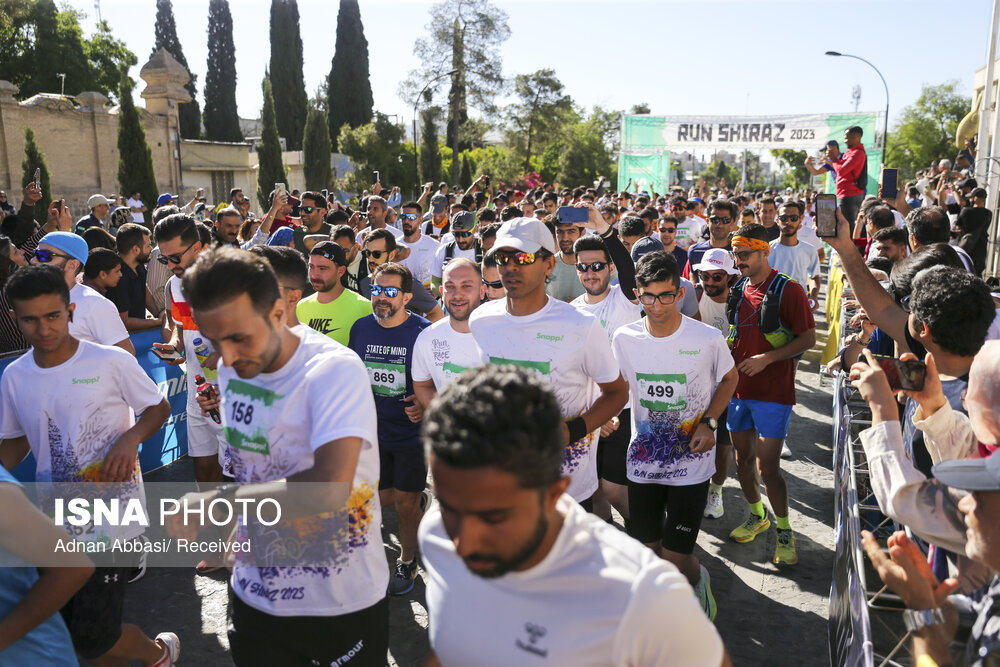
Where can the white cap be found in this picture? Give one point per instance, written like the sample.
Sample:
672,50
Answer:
525,234
97,200
717,259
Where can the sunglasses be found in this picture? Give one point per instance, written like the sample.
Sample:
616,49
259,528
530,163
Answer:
593,266
45,256
494,284
714,277
309,209
461,235
391,292
520,258
788,218
718,220
375,254
743,255
409,216
174,259
668,230
665,298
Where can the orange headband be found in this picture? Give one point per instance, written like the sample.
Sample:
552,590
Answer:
753,244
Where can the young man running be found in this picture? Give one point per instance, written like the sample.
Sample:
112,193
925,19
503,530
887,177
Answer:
333,309
681,376
563,344
765,339
796,259
72,404
518,573
296,408
422,248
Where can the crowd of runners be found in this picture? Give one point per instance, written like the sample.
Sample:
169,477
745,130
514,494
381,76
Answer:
549,388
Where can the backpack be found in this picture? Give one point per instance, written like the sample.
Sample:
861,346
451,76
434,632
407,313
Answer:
769,318
449,253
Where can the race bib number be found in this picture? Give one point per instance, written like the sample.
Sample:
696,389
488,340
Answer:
662,392
386,379
542,367
248,416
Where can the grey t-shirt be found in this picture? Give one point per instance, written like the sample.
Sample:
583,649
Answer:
563,283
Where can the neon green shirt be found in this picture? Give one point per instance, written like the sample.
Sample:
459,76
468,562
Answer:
336,318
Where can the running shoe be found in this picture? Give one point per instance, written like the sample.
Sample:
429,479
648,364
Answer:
751,528
172,646
713,508
425,500
404,578
784,551
704,592
786,453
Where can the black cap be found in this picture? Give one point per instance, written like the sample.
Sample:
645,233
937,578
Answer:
463,221
970,474
331,250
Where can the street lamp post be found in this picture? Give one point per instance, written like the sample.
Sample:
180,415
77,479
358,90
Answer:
416,169
885,126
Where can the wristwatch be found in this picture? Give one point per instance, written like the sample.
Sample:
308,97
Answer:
918,619
710,422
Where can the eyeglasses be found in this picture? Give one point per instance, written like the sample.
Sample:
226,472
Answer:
743,255
309,209
904,303
495,284
374,254
409,216
718,220
668,230
174,259
45,256
391,292
788,218
461,235
714,277
665,298
593,266
520,258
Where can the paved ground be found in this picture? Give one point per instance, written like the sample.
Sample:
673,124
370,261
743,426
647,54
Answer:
766,616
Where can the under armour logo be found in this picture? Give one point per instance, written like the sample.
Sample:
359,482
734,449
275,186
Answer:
110,578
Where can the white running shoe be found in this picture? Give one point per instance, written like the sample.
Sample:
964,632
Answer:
172,644
786,453
713,508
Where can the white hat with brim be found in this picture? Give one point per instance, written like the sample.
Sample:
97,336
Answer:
526,235
97,200
717,259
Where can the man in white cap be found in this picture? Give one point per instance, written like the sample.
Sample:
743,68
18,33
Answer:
716,270
99,206
95,318
562,343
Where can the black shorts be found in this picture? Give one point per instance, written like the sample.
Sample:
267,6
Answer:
94,613
722,433
402,468
678,530
613,450
358,639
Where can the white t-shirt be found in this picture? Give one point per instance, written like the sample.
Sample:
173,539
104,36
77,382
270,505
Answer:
72,414
672,381
441,354
993,333
570,350
421,258
437,266
274,423
597,598
689,231
612,312
799,262
360,237
136,217
714,314
95,317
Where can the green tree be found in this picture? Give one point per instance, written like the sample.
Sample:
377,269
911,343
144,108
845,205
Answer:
541,108
286,72
376,146
718,171
639,108
270,168
135,159
587,155
222,121
109,59
793,164
316,150
465,177
430,152
165,37
350,89
33,159
926,130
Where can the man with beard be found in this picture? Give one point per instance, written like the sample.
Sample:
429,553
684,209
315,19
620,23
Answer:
446,348
131,295
516,570
385,341
377,211
723,217
381,248
422,248
312,211
794,258
333,309
227,227
565,284
463,244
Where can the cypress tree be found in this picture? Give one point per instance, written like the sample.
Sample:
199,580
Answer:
270,169
430,152
466,178
286,72
33,159
316,150
166,38
350,89
135,159
222,122
456,96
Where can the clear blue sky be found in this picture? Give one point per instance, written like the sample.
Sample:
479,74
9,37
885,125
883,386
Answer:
701,57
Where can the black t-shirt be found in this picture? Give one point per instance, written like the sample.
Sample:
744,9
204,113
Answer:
976,223
299,235
130,293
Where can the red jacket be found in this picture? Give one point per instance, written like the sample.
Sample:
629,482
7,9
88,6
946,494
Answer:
849,169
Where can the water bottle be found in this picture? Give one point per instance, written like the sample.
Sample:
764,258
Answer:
203,352
207,390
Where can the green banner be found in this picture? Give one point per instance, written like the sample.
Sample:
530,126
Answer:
650,172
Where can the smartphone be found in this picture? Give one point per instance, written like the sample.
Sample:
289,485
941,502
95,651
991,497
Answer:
888,183
486,182
279,189
168,355
573,214
375,176
38,177
826,215
902,375
326,194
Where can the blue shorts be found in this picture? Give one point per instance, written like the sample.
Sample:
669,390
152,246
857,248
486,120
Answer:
769,419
